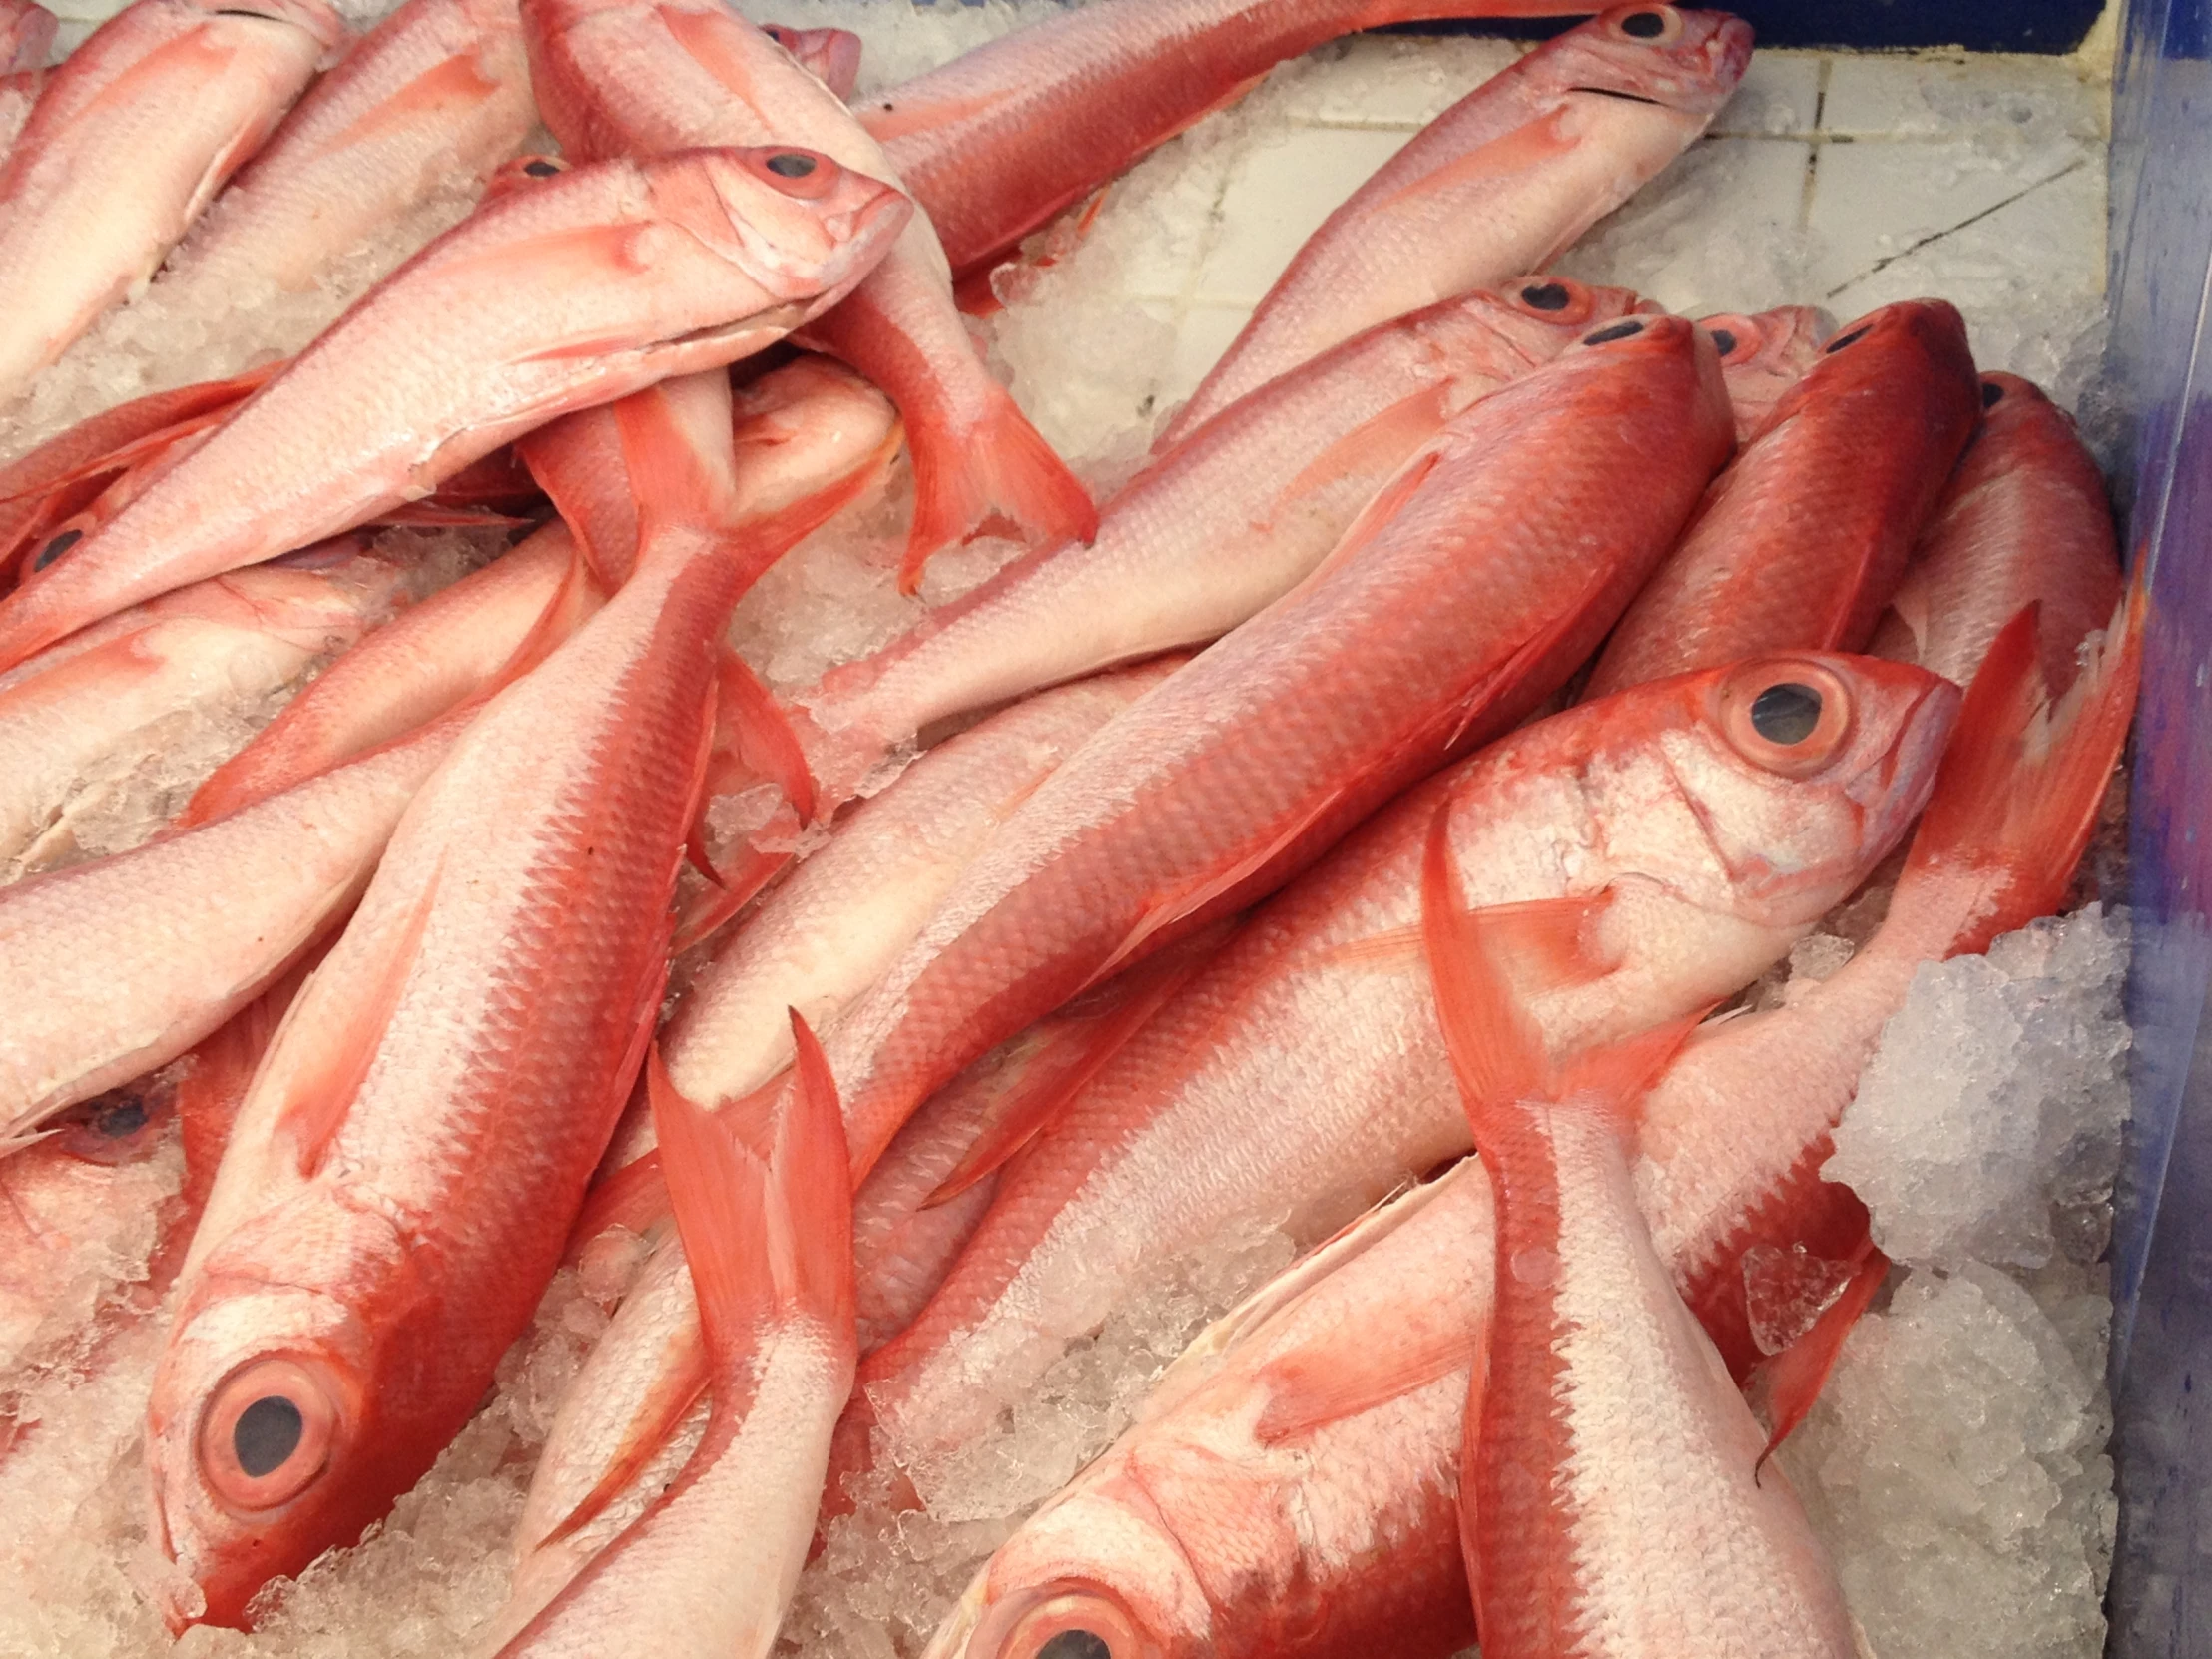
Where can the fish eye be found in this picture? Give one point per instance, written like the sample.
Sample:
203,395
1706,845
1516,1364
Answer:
804,174
778,33
541,167
1546,296
266,1434
109,1128
1789,717
1619,330
790,165
1076,1644
1061,1620
55,548
1856,334
1723,341
1991,394
1651,23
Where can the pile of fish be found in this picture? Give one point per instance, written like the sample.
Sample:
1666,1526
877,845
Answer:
1347,823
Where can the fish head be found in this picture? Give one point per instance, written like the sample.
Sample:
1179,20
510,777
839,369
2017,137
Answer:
792,221
804,428
1685,60
830,56
1764,356
1534,318
318,20
278,1424
1770,789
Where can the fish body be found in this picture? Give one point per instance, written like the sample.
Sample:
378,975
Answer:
131,137
2023,518
1801,542
1000,139
18,94
1614,1496
1289,1484
438,93
1459,600
1656,858
623,76
1211,532
1500,182
1763,357
81,717
642,270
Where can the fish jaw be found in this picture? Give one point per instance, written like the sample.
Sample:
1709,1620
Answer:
1692,64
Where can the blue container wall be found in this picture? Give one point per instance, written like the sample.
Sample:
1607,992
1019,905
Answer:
2162,1341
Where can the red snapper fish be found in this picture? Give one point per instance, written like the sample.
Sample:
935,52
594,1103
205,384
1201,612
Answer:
437,92
1763,357
1646,855
130,139
1000,139
1801,542
635,76
1211,532
1613,1495
1462,597
647,268
1500,182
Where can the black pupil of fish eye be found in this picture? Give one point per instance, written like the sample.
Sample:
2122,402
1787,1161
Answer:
1546,296
1786,713
541,169
1644,25
1991,394
791,165
1722,341
55,548
1835,345
1075,1644
1619,330
266,1434
119,1118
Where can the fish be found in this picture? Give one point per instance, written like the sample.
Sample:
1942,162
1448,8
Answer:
711,1563
1500,182
1289,1483
1801,542
2023,518
1000,139
1465,592
1763,357
1646,854
1735,1131
1207,534
1613,1495
413,1152
436,94
636,77
667,265
830,56
26,35
131,137
83,718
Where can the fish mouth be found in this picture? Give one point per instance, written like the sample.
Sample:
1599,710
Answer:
1624,97
1925,730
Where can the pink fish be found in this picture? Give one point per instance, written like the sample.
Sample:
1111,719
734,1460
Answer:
1647,854
830,56
1613,1499
1763,357
1801,542
1500,182
2023,518
130,139
26,35
436,92
1000,139
661,267
1209,533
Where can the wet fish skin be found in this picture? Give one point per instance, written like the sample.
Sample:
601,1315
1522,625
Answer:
1801,542
1290,1482
130,139
1500,182
26,35
1000,139
1614,1499
1763,357
1300,1075
640,76
830,56
439,91
81,716
661,267
2023,518
1457,602
1207,535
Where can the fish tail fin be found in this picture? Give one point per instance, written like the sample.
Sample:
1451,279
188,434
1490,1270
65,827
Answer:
812,1192
1001,467
1795,1376
718,1189
755,731
2023,778
676,446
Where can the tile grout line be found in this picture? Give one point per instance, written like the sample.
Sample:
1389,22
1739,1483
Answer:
1811,149
1889,259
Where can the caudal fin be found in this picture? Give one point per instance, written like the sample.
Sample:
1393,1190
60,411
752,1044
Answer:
999,467
2023,778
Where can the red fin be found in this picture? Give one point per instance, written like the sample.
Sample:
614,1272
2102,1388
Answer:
430,514
1310,1388
1390,435
1001,467
813,1176
1393,947
664,1409
975,295
459,80
636,1195
732,889
2022,782
755,729
1496,1053
1384,506
676,450
717,1191
1795,1376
